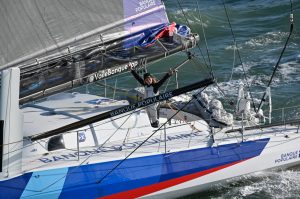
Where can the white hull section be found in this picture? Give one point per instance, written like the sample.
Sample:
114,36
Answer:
180,158
280,152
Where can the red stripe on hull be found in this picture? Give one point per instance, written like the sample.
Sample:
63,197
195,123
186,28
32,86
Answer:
163,185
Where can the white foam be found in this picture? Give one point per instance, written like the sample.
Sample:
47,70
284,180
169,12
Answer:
289,71
247,66
276,184
267,39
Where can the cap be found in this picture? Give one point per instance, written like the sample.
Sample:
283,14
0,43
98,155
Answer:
147,75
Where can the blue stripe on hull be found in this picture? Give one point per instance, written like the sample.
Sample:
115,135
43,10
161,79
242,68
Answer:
14,187
45,184
145,171
81,182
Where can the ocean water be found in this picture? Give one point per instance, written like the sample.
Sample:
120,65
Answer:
261,28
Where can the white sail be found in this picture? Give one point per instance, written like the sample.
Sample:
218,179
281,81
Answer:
32,28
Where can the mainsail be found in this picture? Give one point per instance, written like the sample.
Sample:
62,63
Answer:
59,45
32,28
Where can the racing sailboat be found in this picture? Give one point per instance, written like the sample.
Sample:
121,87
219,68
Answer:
68,144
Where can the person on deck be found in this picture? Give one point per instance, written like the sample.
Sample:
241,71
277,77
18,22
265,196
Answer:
151,85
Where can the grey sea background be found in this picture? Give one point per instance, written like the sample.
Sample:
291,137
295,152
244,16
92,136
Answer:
261,28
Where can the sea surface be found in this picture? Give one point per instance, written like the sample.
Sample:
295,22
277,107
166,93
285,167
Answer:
261,28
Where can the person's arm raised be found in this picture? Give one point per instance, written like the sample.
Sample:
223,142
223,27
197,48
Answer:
136,76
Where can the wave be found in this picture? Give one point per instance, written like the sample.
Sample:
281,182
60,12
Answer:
267,39
283,184
271,184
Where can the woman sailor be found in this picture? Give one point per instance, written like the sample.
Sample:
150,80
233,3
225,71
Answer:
151,89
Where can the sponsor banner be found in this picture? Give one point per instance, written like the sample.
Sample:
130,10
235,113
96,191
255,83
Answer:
110,71
125,146
289,156
142,103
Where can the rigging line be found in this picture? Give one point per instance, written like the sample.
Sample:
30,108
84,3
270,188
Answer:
153,164
97,83
32,144
227,98
126,138
26,138
279,59
202,159
193,60
100,148
74,131
218,87
205,40
85,129
16,142
124,109
238,52
117,165
23,147
189,161
182,118
184,161
167,85
77,130
87,157
100,124
184,15
192,159
233,63
221,90
115,131
111,120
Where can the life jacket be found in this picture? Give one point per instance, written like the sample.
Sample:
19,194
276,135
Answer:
149,92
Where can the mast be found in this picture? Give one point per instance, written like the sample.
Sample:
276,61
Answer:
11,121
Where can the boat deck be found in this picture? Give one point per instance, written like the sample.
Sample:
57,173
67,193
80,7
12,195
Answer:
118,137
159,143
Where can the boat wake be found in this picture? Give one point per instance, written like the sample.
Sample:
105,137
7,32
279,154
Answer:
268,184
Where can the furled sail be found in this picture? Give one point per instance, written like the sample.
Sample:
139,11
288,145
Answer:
59,45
